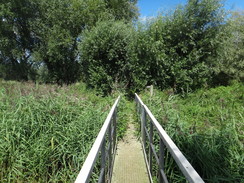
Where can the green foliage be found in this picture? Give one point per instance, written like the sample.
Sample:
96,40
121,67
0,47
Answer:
177,50
207,126
105,56
16,38
47,32
230,60
58,47
194,46
123,9
46,131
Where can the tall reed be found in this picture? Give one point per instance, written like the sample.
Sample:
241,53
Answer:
46,131
208,127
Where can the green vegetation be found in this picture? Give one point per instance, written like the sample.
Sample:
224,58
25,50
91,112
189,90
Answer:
106,62
43,35
46,131
207,126
230,62
178,50
103,44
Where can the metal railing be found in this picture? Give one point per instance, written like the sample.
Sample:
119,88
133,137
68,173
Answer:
106,150
164,142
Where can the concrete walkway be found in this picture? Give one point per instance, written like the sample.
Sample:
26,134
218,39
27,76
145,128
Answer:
129,165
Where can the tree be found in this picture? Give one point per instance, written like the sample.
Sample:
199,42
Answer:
48,32
105,56
60,36
58,27
123,9
17,40
230,63
183,45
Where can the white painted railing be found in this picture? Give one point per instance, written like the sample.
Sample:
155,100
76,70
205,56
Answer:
106,151
165,141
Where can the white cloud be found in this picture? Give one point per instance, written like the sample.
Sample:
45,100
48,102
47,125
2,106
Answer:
146,18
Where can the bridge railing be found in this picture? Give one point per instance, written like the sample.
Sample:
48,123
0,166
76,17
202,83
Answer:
106,151
165,141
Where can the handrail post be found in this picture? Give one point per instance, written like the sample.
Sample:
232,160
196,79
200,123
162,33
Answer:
165,142
115,127
103,160
137,105
150,145
110,151
143,126
161,160
99,149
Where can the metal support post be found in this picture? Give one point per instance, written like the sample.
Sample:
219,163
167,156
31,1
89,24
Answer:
150,143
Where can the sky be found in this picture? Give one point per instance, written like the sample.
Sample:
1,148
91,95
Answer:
150,8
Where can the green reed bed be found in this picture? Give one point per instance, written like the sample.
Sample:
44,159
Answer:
46,131
208,128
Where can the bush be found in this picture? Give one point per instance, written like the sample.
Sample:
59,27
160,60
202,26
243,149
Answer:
105,56
179,49
230,60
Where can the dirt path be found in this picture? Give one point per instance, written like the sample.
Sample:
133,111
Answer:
129,165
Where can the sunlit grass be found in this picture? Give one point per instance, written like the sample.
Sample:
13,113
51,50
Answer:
46,131
208,128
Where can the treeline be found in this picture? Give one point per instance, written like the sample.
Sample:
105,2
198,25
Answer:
39,38
102,43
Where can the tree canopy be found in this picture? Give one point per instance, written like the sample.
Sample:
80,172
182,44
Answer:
47,32
102,43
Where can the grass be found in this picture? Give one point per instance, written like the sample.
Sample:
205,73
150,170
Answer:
46,131
208,127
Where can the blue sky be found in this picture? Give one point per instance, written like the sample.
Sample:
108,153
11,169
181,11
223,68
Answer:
149,8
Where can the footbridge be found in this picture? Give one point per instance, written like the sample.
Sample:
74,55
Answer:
133,159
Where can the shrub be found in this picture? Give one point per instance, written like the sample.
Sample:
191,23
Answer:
104,53
230,60
178,50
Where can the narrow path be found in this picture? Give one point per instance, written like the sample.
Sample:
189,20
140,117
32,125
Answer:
129,165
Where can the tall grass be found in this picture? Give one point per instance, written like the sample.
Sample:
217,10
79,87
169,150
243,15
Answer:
46,131
208,127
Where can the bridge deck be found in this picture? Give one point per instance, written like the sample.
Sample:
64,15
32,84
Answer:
129,165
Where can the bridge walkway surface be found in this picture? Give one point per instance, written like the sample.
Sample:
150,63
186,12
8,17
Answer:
130,162
129,165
